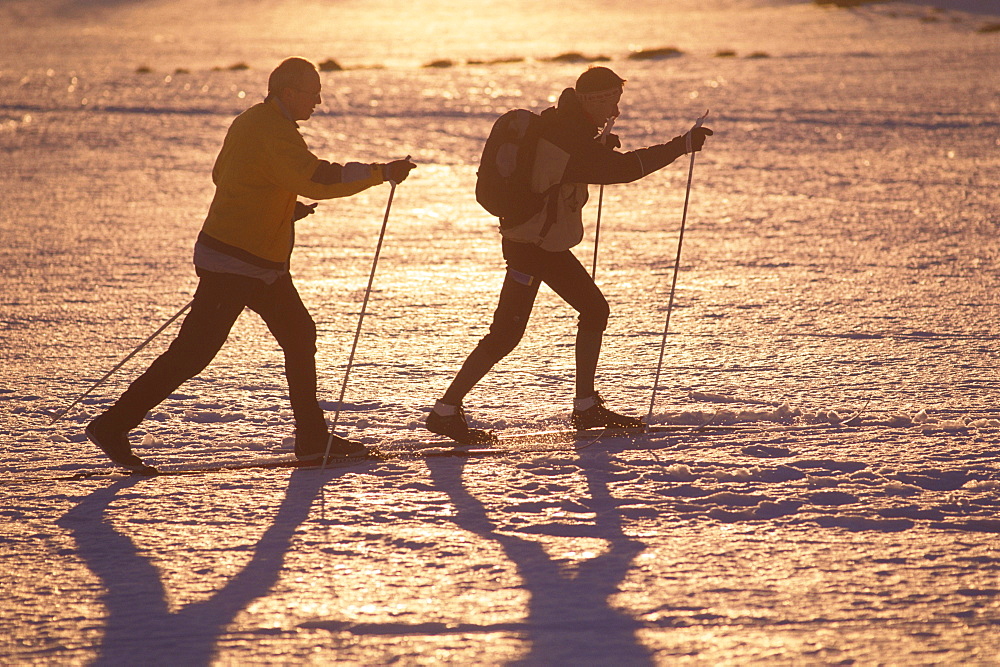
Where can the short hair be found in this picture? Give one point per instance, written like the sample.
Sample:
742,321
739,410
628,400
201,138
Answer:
288,74
598,79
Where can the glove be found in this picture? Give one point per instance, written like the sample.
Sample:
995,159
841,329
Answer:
613,141
698,136
302,210
397,170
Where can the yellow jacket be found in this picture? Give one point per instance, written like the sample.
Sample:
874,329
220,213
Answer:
263,166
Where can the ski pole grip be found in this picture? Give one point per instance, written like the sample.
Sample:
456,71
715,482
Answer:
394,183
698,123
607,129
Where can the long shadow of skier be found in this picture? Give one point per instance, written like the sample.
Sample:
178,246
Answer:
139,627
569,614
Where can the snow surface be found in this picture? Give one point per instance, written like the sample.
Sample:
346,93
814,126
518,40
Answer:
841,257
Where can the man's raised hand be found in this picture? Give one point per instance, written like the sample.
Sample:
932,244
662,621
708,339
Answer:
698,136
397,170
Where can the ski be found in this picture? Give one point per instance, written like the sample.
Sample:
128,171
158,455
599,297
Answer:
198,469
531,442
430,450
571,436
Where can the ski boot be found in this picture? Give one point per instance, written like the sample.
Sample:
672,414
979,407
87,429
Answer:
455,427
595,415
313,446
114,443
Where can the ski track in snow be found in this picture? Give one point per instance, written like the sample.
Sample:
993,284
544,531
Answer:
841,259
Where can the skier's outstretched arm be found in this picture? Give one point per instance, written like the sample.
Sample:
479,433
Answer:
600,164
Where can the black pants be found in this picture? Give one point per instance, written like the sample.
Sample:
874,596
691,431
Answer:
527,267
218,302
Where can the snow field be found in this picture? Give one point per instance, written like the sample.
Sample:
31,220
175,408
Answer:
841,259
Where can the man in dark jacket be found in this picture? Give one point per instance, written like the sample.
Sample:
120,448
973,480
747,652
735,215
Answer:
569,155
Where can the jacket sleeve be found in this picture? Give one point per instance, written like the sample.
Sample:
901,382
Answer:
593,162
292,167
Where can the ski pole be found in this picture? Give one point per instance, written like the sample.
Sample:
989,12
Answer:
131,354
597,232
361,319
677,262
600,200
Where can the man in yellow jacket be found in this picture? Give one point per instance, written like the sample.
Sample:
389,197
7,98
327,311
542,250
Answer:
242,260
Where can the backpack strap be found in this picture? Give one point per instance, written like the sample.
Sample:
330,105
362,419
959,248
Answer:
551,211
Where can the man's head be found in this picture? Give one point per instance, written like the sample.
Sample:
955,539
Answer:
599,91
295,82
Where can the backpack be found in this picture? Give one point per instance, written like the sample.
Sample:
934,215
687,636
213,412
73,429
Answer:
503,182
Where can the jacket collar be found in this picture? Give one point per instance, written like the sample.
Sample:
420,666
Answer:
571,112
276,103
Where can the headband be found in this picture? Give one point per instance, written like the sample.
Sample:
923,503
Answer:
606,95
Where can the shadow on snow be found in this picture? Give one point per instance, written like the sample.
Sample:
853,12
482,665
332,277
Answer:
139,625
569,615
564,610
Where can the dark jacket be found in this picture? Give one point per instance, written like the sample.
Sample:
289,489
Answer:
569,156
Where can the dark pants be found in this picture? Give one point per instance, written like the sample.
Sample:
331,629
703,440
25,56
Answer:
218,302
527,267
